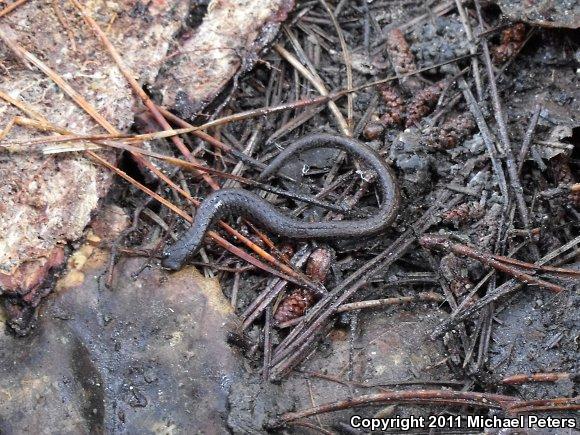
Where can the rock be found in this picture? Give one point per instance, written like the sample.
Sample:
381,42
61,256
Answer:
229,39
162,353
47,200
558,13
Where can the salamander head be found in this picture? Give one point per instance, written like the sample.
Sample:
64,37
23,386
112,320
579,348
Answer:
172,260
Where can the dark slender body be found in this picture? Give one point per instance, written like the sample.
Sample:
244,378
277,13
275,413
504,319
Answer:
243,203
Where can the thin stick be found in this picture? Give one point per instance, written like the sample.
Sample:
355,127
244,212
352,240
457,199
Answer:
376,303
557,404
472,48
62,20
76,97
317,83
322,99
347,64
535,377
11,7
528,138
536,267
255,113
441,242
440,397
487,139
211,140
512,166
267,344
467,308
21,106
145,189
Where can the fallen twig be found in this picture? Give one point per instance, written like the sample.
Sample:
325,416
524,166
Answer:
11,7
527,142
512,165
543,405
316,81
536,377
441,242
347,64
466,309
376,303
434,397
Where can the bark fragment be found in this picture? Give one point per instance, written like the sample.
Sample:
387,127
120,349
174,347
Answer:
229,40
48,200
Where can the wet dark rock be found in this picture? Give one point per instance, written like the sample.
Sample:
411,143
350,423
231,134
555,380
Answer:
135,373
547,343
558,13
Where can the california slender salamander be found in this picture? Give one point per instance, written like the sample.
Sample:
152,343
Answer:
241,202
